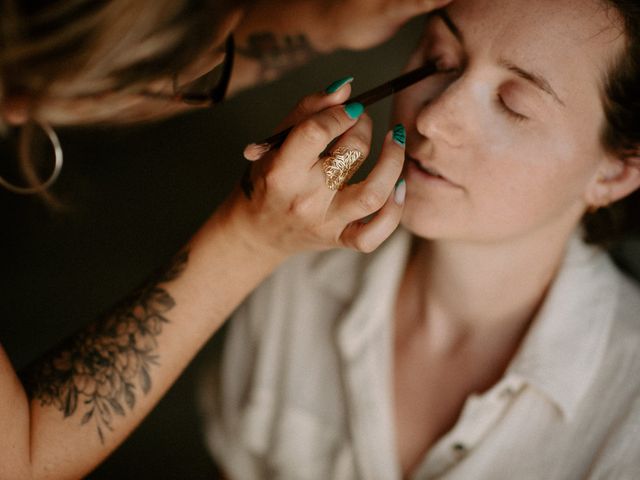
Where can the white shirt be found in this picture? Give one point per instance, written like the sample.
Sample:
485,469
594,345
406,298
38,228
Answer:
304,388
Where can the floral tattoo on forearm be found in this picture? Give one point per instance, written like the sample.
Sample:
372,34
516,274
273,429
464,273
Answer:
277,56
100,372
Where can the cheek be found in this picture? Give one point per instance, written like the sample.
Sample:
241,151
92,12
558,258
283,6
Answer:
529,183
538,155
407,105
513,188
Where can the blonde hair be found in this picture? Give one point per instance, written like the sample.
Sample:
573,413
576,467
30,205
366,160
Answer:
54,52
70,49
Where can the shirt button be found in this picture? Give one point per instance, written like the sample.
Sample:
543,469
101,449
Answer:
459,448
507,392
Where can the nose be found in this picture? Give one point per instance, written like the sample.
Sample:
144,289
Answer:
443,117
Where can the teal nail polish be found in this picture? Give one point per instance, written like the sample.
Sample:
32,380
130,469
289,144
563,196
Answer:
337,85
400,135
354,110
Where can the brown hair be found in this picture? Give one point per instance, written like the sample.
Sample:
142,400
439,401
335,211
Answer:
621,133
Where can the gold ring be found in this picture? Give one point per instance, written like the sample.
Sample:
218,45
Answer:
340,166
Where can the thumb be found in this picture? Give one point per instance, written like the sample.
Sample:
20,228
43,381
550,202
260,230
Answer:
420,7
335,94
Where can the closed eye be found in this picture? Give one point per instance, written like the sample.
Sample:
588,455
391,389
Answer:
515,116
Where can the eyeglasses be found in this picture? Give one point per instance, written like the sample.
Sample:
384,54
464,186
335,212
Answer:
207,90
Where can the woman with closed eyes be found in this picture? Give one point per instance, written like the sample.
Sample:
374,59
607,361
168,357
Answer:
491,337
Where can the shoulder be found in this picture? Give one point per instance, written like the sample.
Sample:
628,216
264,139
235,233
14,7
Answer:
338,273
619,383
319,279
617,300
625,332
619,456
311,272
610,297
628,299
301,282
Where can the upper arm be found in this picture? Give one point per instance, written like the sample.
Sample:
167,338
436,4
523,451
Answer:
14,423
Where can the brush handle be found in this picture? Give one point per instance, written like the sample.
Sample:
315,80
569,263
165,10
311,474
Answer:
399,83
367,98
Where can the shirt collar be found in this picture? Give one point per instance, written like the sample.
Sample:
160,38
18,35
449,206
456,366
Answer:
345,273
566,342
368,284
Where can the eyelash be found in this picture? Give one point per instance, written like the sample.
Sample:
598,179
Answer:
515,116
440,62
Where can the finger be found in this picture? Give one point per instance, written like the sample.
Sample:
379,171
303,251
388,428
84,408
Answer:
335,94
367,236
357,138
366,197
310,138
419,7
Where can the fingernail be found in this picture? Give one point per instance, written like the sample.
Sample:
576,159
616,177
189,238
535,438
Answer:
400,135
337,85
401,191
354,110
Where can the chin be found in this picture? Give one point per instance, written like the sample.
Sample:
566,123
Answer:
426,226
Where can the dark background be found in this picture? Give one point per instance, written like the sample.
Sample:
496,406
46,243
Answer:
133,196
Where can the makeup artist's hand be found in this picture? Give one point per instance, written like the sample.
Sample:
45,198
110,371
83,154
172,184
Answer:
360,24
291,209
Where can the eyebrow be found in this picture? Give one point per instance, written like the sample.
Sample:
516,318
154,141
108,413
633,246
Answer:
536,79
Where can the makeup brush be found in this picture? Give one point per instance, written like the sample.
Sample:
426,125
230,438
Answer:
257,150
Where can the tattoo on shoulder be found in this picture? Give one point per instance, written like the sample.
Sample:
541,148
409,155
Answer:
275,55
100,372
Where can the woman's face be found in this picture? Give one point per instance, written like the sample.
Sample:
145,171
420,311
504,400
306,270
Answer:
515,130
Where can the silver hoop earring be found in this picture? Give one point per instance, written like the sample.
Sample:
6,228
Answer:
57,167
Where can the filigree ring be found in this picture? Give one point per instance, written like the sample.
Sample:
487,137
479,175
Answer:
340,166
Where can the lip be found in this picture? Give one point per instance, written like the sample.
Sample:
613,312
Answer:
428,172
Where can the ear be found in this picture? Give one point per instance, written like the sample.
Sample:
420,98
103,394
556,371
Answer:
616,178
15,110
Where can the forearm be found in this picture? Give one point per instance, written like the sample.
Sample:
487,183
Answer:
91,393
275,37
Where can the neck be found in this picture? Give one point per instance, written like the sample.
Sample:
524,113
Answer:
483,291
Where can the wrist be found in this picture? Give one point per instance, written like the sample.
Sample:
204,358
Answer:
233,224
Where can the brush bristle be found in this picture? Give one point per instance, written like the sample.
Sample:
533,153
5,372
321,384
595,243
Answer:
255,151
